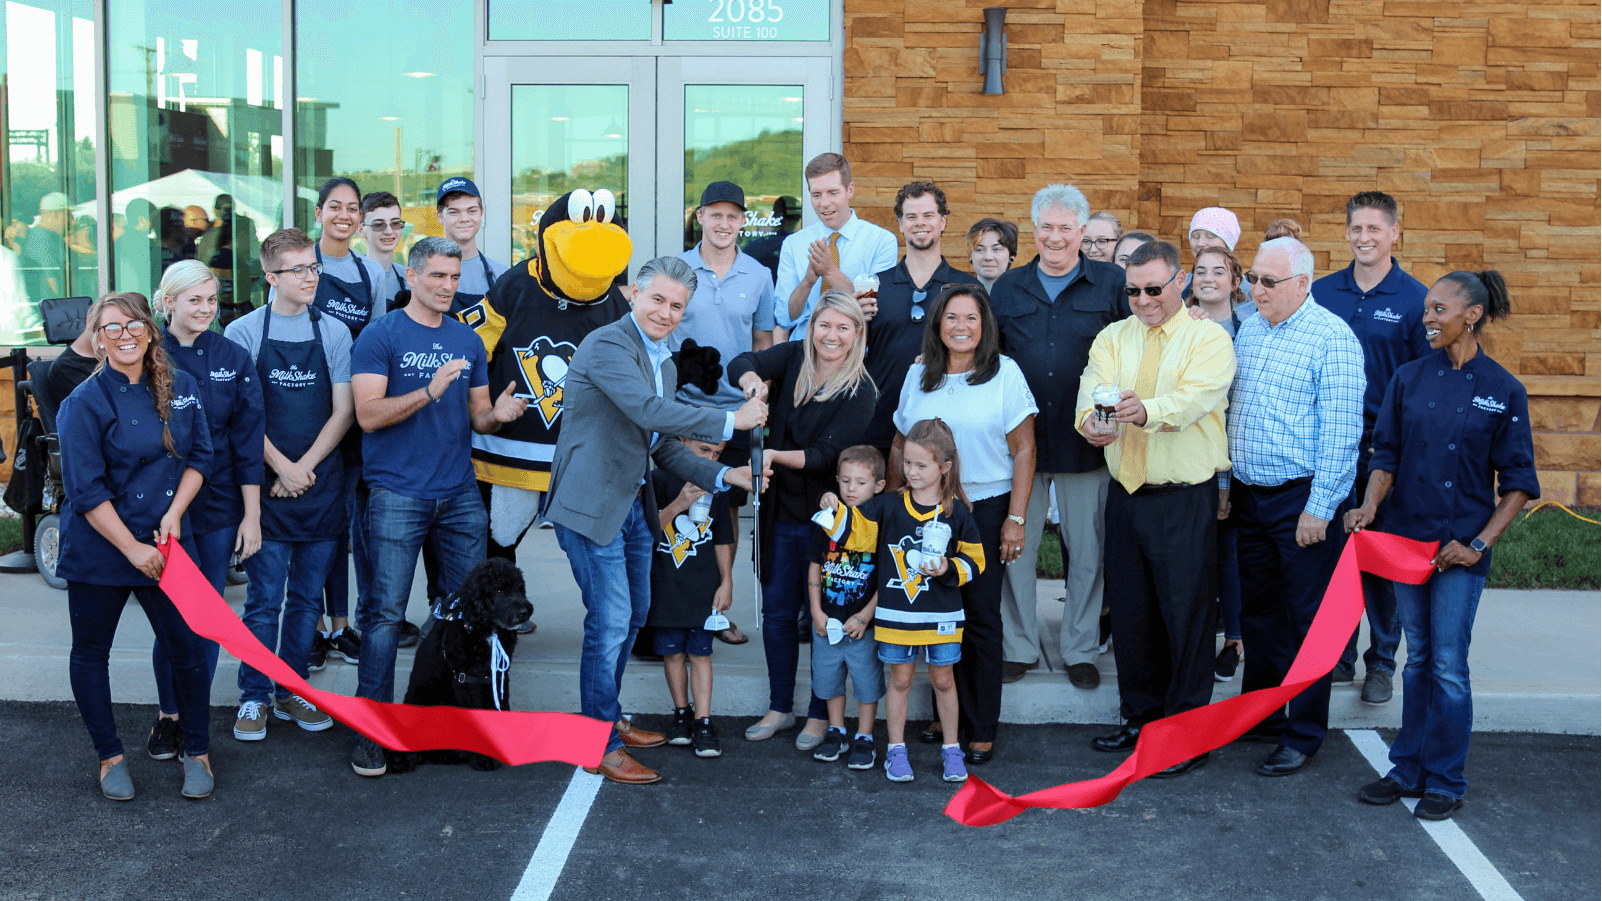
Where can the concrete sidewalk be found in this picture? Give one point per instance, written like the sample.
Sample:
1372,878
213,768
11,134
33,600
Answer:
1536,658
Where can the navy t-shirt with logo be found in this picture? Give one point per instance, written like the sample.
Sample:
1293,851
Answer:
846,573
684,563
427,455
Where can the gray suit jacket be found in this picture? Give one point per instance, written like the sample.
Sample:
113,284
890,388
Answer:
609,410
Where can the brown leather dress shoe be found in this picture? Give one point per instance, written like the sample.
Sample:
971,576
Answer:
618,766
638,738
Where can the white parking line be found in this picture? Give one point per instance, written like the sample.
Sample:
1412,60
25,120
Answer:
1459,849
550,856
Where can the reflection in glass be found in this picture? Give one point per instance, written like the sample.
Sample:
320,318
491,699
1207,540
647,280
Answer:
750,135
47,165
400,120
569,20
566,137
196,93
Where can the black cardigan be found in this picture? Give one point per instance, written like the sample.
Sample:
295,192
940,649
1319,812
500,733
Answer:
820,428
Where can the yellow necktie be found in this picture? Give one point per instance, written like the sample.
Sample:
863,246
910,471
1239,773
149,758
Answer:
1132,460
834,248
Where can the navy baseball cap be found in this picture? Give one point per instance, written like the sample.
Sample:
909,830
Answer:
723,192
457,185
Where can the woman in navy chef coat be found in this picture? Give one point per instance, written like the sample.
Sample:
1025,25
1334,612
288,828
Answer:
226,516
134,452
1452,433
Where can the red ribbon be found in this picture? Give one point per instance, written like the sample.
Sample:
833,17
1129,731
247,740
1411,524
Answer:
1170,740
513,737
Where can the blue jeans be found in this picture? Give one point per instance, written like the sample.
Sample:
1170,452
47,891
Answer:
94,611
287,576
784,598
353,546
398,527
1437,704
214,550
615,581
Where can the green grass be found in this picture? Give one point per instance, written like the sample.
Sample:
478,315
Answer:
10,534
1549,549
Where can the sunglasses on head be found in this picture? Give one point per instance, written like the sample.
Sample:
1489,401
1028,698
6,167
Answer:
1151,290
1265,281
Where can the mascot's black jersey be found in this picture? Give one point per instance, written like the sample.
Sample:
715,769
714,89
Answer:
532,336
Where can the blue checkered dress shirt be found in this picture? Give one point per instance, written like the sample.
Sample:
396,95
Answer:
1296,408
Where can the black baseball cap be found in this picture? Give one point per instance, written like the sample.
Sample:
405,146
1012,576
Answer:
457,185
723,192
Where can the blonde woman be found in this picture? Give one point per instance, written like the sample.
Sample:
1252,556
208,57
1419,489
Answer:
225,518
822,405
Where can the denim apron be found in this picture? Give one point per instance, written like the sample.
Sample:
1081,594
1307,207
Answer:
298,393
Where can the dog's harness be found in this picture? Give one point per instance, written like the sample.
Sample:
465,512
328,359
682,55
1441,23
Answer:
447,610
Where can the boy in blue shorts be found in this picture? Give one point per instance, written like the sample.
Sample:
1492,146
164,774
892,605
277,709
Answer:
692,574
841,588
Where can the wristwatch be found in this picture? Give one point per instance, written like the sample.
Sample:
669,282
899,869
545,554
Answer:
1479,546
1017,519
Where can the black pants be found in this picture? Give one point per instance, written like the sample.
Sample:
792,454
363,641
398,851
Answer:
1161,569
1281,588
978,673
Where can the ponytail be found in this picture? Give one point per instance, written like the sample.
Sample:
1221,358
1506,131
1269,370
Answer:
1486,290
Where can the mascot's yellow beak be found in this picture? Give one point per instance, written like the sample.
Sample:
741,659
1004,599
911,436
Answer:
584,259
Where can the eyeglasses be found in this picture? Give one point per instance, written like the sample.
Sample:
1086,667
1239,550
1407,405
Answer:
301,272
1101,243
114,330
1151,290
1265,281
393,225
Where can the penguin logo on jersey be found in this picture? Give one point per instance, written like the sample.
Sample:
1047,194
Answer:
544,365
907,554
684,538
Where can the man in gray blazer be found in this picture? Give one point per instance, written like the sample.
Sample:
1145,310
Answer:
618,415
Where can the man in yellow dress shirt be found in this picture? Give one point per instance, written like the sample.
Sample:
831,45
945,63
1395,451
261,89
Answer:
1165,449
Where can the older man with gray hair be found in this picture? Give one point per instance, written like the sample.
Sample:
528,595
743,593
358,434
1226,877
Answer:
1295,417
1049,311
620,414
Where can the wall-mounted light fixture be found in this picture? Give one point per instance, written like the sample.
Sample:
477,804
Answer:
993,49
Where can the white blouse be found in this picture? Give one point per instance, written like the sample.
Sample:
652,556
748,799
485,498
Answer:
980,416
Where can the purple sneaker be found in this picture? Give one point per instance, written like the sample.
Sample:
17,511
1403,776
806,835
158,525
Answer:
896,766
956,770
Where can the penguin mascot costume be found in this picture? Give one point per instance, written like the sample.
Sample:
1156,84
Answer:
532,322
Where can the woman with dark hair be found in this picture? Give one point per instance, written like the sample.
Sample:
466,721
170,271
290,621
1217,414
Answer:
1453,432
1126,246
822,406
966,382
134,452
992,246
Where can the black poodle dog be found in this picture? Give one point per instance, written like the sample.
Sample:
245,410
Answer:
453,666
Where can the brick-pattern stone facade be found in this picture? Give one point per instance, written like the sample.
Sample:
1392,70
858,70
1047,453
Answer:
1480,118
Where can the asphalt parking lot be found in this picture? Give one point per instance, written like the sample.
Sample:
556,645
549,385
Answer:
290,820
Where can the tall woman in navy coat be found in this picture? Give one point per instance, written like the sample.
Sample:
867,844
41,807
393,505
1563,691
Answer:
1452,433
134,451
226,516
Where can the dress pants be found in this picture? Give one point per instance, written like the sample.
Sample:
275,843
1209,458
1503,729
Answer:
1379,605
1282,586
978,673
1161,570
1081,500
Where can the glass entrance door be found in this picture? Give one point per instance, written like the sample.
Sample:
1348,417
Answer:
654,131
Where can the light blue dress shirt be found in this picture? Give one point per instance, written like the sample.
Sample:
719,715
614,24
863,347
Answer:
865,249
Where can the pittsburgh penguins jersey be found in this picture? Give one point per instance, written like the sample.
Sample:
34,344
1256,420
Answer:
914,609
684,563
531,336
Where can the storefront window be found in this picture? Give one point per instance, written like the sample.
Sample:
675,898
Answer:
196,93
566,137
47,160
570,20
750,135
379,106
746,20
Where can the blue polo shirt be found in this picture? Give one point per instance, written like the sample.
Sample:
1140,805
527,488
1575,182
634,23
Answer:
723,313
1389,324
1456,439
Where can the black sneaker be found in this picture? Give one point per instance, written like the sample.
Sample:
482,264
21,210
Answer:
407,635
862,754
679,732
317,658
367,757
1226,664
346,645
163,744
706,738
1437,807
834,744
1343,673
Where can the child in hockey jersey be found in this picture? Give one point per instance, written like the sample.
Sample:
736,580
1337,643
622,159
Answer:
920,602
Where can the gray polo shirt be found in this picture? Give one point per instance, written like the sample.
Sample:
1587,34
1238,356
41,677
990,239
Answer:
246,332
722,314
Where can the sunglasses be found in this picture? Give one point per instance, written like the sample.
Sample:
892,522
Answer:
1265,281
1151,290
393,225
918,298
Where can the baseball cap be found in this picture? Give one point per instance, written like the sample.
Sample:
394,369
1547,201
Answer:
723,192
55,200
457,185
